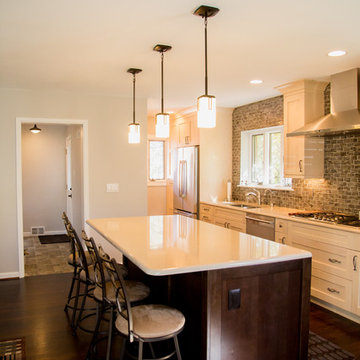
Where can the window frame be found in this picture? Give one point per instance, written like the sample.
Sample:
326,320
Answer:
246,158
157,182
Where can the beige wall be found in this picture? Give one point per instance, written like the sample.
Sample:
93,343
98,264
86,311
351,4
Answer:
215,157
76,134
111,158
43,177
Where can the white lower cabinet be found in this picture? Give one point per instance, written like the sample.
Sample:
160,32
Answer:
335,254
230,219
335,263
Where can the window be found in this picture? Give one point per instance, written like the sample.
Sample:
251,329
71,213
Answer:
262,158
156,160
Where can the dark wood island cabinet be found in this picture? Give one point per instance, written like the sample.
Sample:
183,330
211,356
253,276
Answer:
243,297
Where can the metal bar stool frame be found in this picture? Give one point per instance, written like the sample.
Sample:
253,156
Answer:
124,309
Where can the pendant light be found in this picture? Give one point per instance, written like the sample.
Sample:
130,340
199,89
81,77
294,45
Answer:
162,119
206,104
134,128
35,129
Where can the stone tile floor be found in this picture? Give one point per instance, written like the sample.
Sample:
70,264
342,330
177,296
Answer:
43,259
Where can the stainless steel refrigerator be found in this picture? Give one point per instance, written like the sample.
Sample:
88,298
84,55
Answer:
186,181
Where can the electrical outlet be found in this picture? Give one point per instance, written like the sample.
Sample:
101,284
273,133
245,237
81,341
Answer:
234,299
112,187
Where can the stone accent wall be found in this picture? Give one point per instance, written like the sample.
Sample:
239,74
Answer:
339,191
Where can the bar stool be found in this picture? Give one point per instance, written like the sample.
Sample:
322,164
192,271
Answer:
143,323
104,293
85,276
73,260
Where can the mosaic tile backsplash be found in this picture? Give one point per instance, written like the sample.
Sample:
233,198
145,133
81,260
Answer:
339,191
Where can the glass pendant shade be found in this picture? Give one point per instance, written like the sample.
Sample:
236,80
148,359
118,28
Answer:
162,125
35,129
206,111
134,133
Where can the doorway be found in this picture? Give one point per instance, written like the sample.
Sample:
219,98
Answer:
32,190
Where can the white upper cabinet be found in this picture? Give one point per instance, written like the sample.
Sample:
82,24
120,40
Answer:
303,103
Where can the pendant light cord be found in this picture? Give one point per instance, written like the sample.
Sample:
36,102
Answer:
162,82
133,98
206,70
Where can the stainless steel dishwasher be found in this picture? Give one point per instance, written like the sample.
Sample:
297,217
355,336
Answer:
261,226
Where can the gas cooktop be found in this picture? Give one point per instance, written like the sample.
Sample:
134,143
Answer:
329,217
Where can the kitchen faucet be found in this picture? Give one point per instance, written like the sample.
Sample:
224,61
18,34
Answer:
256,194
271,196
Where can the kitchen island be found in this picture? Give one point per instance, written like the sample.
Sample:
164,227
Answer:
243,297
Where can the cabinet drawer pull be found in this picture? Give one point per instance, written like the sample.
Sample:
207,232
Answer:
205,218
301,166
283,240
206,209
333,290
354,262
334,261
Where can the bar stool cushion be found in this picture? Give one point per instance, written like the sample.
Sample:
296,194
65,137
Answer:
152,321
137,291
71,259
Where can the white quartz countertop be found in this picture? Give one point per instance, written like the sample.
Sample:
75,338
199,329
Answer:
174,244
283,213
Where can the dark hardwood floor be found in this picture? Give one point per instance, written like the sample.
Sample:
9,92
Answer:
32,308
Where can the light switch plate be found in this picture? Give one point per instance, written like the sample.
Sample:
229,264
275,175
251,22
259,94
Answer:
112,187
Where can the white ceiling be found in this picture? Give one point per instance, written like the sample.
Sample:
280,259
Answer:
88,45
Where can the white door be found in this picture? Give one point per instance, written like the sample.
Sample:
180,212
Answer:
69,205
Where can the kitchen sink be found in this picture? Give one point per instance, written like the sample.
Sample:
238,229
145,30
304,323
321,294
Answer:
245,206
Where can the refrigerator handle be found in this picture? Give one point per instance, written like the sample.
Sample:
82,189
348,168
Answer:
185,179
180,178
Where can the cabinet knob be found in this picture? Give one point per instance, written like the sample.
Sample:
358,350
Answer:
280,226
283,239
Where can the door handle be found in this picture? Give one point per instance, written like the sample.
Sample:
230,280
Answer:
70,195
260,220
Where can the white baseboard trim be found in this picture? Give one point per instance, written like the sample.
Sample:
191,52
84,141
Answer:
53,232
10,275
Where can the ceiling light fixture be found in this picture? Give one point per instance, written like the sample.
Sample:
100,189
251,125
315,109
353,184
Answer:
162,119
256,82
134,128
337,53
35,129
206,104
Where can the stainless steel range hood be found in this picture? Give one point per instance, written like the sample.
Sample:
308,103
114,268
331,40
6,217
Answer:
345,103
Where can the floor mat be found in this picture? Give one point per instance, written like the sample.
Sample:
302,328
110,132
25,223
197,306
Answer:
12,349
322,349
53,239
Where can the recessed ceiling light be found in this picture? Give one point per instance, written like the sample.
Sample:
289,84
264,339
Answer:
256,82
337,53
